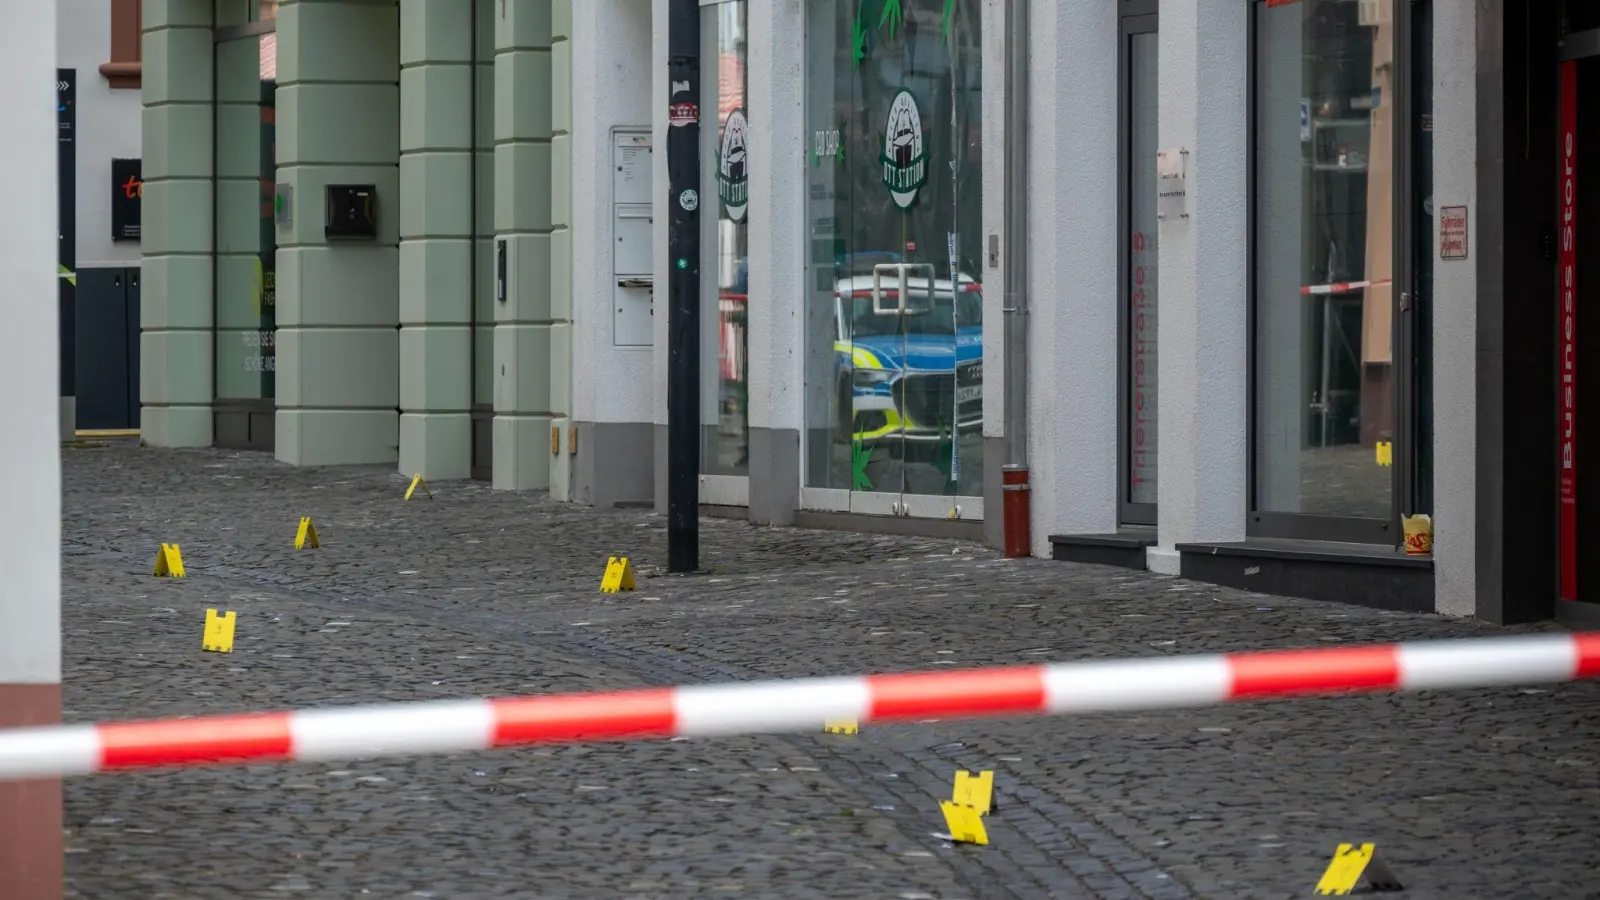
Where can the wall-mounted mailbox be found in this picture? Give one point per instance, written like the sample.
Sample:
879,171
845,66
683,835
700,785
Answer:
632,239
352,211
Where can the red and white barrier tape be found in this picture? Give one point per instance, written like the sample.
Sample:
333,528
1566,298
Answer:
1342,287
776,706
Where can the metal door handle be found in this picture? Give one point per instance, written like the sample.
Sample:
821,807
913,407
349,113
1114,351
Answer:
902,273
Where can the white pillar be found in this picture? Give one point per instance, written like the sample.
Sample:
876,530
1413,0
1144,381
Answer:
30,601
1455,333
778,254
613,384
1072,278
1204,336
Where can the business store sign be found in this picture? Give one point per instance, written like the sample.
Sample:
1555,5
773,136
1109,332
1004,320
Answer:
127,191
1567,281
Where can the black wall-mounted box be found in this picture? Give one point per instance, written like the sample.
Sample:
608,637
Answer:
352,211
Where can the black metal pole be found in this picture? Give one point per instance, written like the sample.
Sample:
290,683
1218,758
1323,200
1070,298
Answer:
683,286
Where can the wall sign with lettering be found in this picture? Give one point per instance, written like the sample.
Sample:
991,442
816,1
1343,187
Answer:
1172,183
127,189
1452,232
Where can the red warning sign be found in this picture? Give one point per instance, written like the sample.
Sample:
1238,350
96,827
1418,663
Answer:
681,114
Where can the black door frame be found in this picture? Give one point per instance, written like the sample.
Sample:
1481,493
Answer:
1135,17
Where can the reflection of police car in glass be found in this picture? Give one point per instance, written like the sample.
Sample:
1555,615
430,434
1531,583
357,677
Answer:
909,364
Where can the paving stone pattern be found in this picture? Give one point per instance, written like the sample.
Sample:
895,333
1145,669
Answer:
1487,793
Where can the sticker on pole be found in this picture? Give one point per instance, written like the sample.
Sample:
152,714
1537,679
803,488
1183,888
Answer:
689,200
681,114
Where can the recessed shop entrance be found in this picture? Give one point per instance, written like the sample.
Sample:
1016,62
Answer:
1577,321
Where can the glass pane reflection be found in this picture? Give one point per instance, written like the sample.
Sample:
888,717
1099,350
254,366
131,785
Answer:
1324,361
893,164
725,262
1143,102
246,80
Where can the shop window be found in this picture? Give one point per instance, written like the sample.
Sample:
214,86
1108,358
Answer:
725,243
123,70
893,304
1325,353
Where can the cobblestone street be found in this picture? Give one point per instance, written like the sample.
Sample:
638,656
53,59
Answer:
1482,793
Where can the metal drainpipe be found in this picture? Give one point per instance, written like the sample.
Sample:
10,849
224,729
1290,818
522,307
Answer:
472,241
1015,488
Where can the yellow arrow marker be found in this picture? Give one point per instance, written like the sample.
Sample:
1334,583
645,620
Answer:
169,562
965,825
841,726
1350,863
218,636
416,482
975,791
307,535
618,576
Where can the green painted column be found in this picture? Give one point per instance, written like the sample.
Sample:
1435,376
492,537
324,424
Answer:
561,242
531,335
175,316
338,347
436,230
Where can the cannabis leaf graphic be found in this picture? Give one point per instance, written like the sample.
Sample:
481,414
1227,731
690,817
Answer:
893,17
860,455
858,36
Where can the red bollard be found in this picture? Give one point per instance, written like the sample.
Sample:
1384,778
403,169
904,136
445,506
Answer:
1015,506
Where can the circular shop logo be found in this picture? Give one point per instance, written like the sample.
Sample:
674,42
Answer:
905,157
733,182
689,200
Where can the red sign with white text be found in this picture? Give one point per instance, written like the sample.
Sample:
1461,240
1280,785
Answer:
1566,336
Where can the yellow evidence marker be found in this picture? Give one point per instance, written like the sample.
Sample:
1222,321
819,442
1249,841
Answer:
1352,862
841,726
965,825
416,482
169,562
975,791
618,576
307,535
218,636
1385,453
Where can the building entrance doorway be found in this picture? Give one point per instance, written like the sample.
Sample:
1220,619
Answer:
1138,384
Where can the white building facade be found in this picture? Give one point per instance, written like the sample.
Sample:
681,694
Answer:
1218,360
1260,340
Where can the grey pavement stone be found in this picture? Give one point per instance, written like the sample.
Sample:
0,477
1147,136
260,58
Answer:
1472,793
